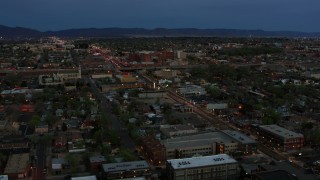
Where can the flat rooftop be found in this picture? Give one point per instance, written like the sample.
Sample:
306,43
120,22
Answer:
97,159
276,175
203,161
240,137
84,178
205,139
134,178
280,131
17,163
176,128
125,166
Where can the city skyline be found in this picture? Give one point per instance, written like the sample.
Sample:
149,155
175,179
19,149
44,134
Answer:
248,14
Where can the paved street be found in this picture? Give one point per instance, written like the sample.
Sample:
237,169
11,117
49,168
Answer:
125,139
40,163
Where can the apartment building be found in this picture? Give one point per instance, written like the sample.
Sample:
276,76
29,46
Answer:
204,144
280,138
153,150
220,166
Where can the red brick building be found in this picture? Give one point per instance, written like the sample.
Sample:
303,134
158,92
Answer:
154,151
280,138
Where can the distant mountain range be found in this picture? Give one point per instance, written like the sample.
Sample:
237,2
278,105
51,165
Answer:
21,33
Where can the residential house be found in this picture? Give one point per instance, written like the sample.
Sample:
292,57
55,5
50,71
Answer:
59,112
59,143
153,118
72,123
42,127
76,142
57,164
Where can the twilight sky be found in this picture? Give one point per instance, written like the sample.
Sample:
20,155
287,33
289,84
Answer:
296,15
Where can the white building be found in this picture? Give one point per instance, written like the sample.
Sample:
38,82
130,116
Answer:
220,166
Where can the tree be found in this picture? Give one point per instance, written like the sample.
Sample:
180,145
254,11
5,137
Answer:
85,158
157,101
35,120
315,137
51,119
34,139
97,136
64,127
167,110
307,125
48,138
116,109
127,155
73,162
214,92
270,116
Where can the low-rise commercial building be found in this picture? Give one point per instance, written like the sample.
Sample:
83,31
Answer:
200,144
14,144
275,175
280,138
192,90
167,73
246,145
178,130
154,151
220,166
126,170
18,166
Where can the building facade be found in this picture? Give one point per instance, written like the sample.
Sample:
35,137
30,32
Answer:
18,166
218,167
200,144
246,145
126,170
154,151
280,138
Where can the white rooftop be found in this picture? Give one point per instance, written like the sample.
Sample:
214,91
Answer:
98,158
280,131
134,178
125,166
4,177
84,178
194,162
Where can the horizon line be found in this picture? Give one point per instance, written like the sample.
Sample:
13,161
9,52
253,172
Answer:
168,28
